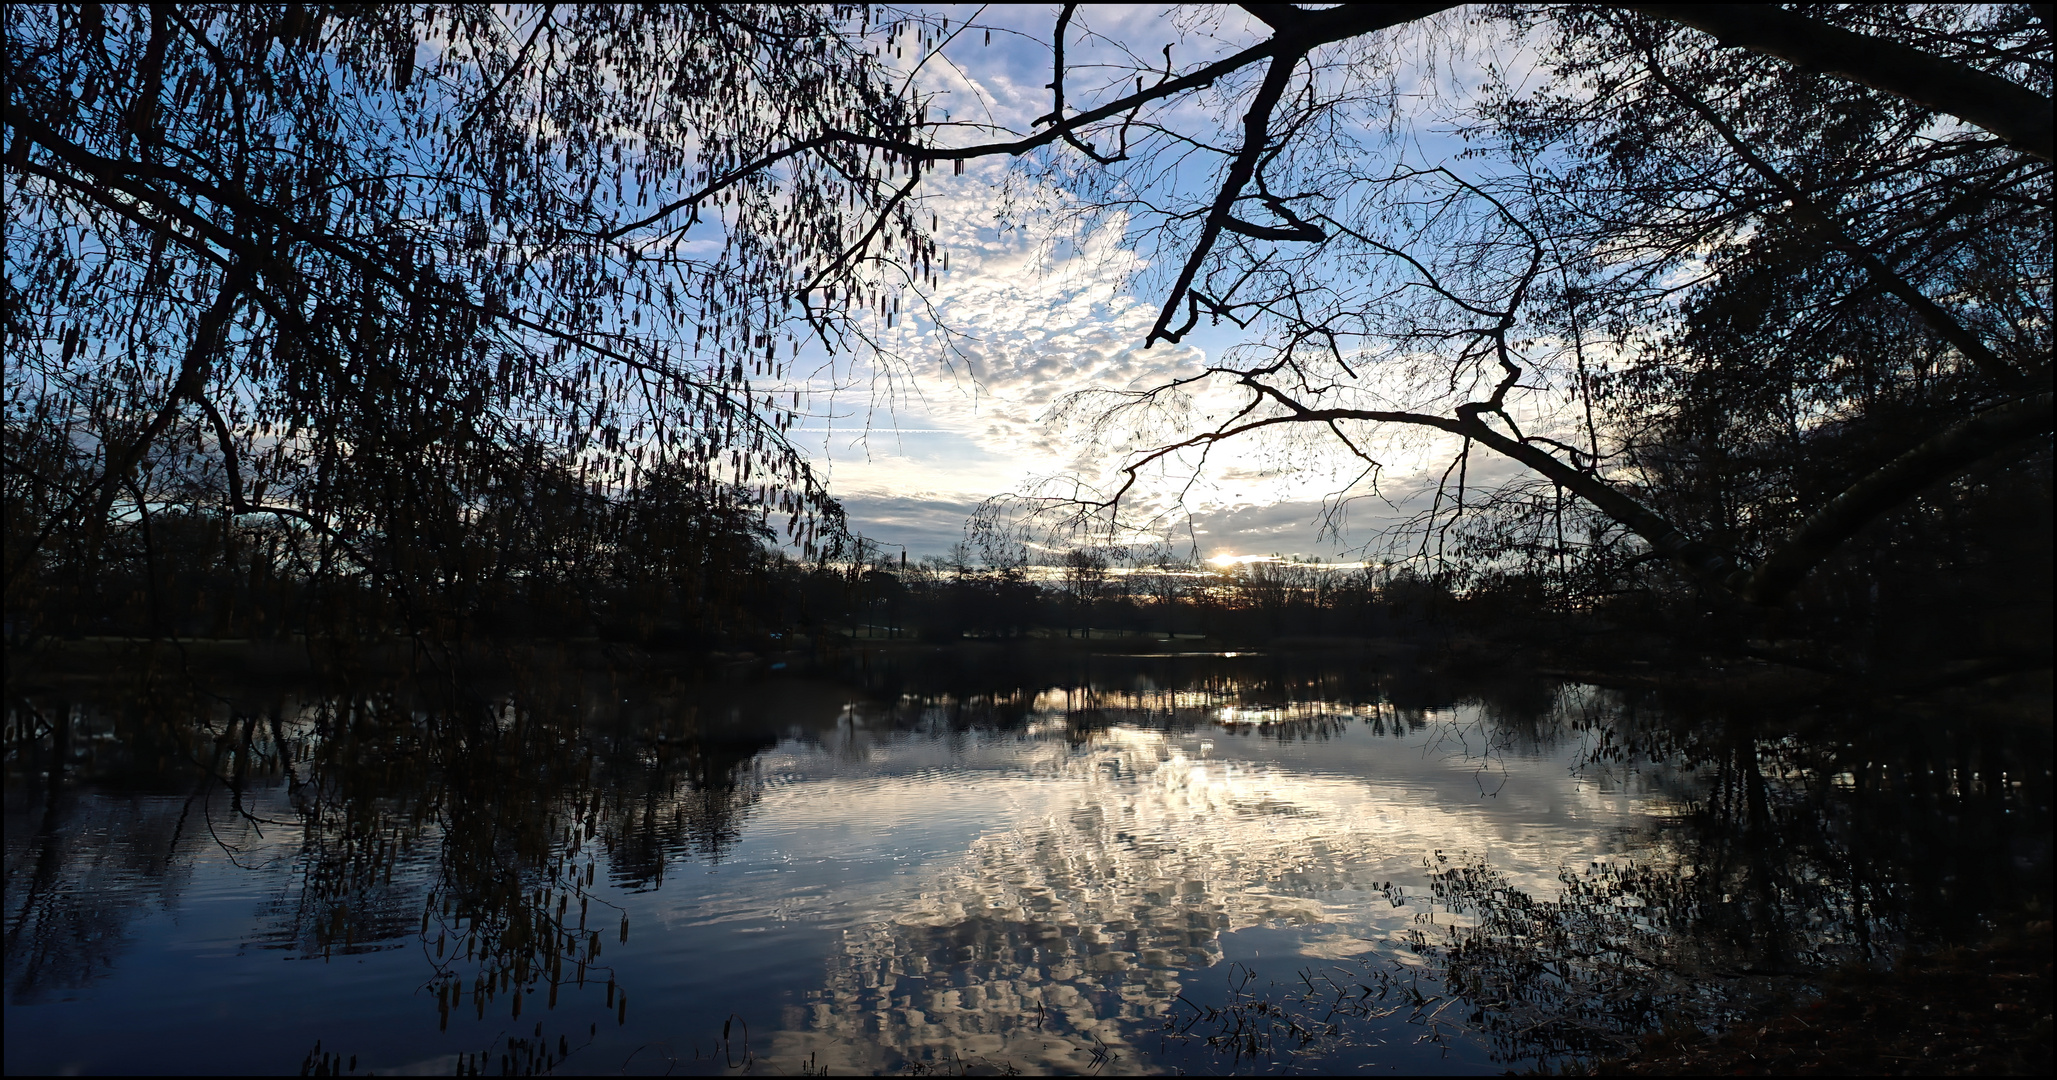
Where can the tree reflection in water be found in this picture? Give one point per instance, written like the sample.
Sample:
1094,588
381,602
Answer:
487,833
1798,854
470,829
62,931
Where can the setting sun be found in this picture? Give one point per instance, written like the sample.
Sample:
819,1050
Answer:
1240,560
511,508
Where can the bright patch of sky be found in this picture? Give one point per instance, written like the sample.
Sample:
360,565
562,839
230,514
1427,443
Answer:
1038,305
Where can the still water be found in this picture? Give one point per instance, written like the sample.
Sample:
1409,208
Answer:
1074,865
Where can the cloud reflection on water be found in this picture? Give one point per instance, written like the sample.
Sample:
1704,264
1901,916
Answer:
973,864
1105,874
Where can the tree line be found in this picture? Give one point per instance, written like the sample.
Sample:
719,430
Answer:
333,290
449,304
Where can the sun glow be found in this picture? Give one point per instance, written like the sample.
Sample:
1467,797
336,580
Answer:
1225,560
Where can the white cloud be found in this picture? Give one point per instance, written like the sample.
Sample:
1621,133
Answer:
1042,301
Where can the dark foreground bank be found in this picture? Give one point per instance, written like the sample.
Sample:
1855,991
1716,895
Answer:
1980,1010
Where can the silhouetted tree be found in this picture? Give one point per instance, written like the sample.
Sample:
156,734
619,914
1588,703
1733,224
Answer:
1907,148
348,277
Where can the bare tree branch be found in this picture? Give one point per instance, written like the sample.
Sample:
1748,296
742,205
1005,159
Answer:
2015,113
1256,135
1935,458
1808,211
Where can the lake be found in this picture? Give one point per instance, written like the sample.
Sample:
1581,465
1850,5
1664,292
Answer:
981,859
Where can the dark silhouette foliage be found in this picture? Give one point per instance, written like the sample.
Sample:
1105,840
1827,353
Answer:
367,287
344,288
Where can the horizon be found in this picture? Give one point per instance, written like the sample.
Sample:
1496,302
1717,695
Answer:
1031,312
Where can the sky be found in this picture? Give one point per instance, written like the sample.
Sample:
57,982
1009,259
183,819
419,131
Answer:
912,447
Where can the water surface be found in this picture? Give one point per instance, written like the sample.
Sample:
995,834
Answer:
1113,865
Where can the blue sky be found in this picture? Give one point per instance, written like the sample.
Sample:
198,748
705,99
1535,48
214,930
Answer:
1048,307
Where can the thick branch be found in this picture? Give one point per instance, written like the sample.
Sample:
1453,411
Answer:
2014,113
1256,132
1056,112
1319,27
1706,564
1988,101
1942,455
1301,231
209,332
1699,559
232,468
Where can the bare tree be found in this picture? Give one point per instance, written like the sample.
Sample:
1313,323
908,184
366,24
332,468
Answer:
273,256
1379,296
358,276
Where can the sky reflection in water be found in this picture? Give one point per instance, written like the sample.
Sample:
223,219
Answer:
1048,881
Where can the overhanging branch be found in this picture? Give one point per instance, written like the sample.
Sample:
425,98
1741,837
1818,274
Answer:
1701,560
1942,455
2009,110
